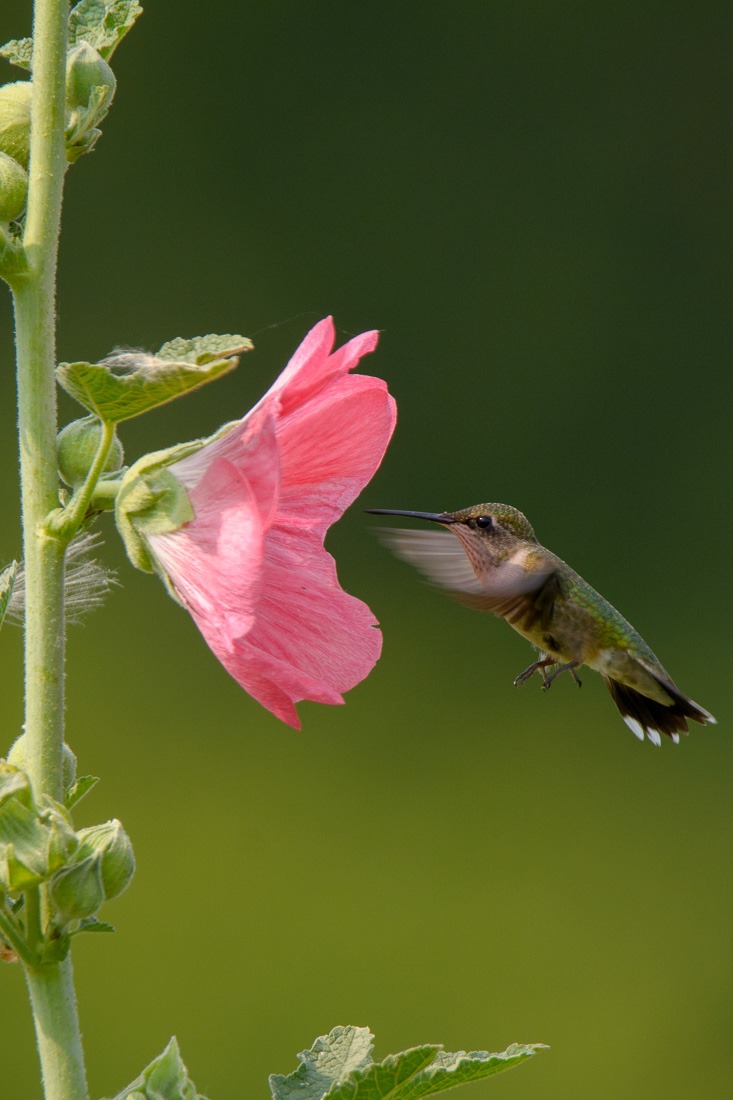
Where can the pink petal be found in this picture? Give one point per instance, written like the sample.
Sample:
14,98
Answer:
311,640
331,447
205,559
311,367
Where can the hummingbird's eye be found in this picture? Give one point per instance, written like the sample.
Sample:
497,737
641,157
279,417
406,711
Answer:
484,522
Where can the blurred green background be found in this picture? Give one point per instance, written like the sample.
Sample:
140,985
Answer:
532,201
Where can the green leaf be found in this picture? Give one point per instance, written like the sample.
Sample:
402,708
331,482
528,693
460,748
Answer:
19,51
331,1059
203,349
339,1065
131,383
7,583
82,786
387,1078
166,1078
450,1070
102,23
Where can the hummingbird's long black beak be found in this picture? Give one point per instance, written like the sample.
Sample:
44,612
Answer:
436,517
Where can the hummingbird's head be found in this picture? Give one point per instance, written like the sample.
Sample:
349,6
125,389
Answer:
489,533
494,521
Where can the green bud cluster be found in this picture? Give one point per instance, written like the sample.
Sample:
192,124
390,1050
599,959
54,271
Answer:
39,846
90,88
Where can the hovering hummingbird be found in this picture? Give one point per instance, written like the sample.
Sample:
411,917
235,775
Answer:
496,564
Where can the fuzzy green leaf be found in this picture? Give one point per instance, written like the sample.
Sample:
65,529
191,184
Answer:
330,1060
19,51
449,1070
339,1066
7,583
388,1078
128,384
166,1078
201,350
102,23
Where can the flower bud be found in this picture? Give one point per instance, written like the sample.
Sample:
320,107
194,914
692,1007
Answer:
13,189
19,757
76,447
86,69
77,891
15,120
110,845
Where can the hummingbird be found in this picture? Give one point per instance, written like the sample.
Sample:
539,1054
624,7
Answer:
488,558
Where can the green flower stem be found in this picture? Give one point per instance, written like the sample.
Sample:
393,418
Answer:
50,986
65,524
105,494
51,990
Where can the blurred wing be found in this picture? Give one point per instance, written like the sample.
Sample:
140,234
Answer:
519,595
437,554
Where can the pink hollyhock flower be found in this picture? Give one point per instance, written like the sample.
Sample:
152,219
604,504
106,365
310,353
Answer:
251,566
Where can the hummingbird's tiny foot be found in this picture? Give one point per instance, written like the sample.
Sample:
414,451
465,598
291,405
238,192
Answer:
569,667
577,678
536,666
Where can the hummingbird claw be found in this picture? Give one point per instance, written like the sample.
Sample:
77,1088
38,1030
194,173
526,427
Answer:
536,666
569,667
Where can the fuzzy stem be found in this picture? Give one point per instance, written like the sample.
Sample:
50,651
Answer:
51,990
50,986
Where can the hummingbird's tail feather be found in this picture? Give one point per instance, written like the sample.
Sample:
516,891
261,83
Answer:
648,716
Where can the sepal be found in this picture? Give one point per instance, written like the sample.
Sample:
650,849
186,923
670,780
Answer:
76,792
14,783
152,500
77,891
27,850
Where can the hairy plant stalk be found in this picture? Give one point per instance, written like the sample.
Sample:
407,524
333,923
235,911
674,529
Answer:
50,984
